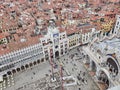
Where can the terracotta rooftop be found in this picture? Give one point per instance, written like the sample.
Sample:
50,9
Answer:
3,35
27,13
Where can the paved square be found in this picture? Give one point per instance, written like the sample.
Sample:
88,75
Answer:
39,77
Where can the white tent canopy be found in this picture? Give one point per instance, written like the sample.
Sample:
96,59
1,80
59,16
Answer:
1,78
115,88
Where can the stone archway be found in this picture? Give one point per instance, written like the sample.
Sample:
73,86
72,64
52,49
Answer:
56,54
18,69
26,66
31,64
42,60
22,67
38,61
103,77
34,62
13,71
113,65
9,73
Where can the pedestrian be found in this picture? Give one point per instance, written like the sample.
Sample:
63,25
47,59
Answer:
86,81
33,73
72,69
80,72
83,80
83,73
